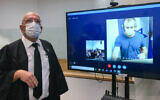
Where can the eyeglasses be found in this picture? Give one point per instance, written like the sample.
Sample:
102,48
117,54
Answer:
30,20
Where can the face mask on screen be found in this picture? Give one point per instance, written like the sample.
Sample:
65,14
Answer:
33,30
129,32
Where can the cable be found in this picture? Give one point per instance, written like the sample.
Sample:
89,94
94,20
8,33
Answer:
117,88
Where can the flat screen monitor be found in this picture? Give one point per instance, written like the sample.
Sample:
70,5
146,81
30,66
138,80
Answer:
119,40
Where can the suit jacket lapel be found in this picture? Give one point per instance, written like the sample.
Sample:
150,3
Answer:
48,51
21,62
23,58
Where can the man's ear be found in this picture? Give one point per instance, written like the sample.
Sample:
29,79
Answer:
41,28
22,28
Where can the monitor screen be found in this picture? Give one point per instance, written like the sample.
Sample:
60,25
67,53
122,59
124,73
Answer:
120,40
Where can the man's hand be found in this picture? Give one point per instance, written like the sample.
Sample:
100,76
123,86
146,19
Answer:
26,77
141,56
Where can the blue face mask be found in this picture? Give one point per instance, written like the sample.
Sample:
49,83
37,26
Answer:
33,30
129,32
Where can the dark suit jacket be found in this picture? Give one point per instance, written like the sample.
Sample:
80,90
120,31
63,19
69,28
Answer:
14,57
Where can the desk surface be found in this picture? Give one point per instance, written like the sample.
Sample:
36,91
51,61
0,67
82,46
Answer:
88,75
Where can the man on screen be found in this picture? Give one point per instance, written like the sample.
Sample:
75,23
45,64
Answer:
129,45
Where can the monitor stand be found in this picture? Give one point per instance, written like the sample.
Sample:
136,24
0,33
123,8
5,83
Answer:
127,87
114,85
107,96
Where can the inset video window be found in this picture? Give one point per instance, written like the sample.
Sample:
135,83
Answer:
130,39
95,50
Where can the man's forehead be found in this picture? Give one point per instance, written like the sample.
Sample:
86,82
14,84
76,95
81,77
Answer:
129,23
31,15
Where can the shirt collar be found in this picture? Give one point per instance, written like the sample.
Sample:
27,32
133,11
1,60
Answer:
28,43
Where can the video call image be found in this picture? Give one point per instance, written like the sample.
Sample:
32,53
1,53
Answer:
130,39
95,50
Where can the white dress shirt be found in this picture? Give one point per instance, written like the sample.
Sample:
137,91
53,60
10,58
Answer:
45,66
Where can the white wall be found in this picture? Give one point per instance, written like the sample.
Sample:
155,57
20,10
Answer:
85,89
11,13
52,13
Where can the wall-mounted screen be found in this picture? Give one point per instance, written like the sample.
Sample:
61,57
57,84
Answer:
124,39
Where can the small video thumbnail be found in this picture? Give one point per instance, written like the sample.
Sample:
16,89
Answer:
95,50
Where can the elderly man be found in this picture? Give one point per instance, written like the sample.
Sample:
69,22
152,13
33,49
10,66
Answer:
29,69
